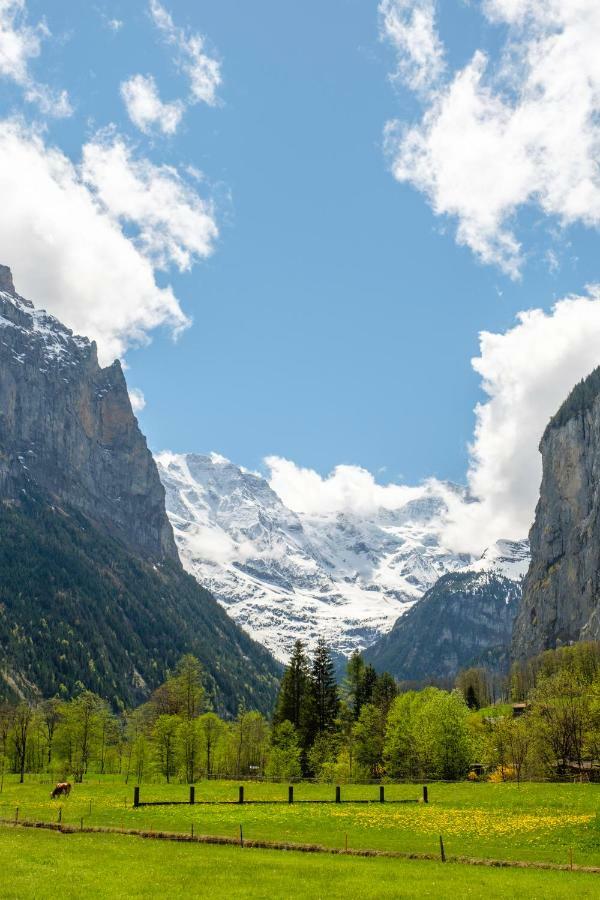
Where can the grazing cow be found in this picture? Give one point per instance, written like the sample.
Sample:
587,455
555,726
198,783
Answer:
62,789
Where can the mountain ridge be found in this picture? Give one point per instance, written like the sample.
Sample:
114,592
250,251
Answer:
285,575
465,619
92,591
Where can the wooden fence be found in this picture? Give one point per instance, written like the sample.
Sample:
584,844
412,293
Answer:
290,799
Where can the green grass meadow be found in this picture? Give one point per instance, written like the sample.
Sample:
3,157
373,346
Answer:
48,865
535,822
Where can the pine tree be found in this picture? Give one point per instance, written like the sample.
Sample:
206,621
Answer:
293,693
354,684
324,690
369,680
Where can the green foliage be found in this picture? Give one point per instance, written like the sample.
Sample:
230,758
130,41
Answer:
284,756
79,611
323,689
294,697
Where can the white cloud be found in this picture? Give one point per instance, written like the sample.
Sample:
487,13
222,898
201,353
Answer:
64,240
525,130
346,489
145,108
203,71
114,24
410,26
527,373
19,44
175,225
138,401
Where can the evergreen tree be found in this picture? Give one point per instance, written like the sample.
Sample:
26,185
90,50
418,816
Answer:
293,696
369,681
324,690
355,671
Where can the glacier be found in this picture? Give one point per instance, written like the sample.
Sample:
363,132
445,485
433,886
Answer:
283,575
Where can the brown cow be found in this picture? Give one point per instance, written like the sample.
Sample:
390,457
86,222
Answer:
62,789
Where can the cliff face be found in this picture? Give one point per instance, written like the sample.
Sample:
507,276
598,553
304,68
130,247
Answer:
561,596
92,591
67,426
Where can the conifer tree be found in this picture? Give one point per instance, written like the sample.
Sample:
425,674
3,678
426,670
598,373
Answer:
324,690
294,691
369,680
354,683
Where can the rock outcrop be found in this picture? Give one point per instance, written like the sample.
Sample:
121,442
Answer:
67,425
561,595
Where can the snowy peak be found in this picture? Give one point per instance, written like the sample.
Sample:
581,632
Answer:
507,558
285,575
47,339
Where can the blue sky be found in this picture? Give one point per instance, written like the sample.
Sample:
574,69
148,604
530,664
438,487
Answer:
337,316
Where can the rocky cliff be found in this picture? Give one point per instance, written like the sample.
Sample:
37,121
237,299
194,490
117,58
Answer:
465,619
67,425
561,596
92,592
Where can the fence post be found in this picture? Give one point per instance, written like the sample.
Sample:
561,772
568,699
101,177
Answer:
442,853
291,793
425,794
192,794
60,815
381,794
241,794
136,796
338,792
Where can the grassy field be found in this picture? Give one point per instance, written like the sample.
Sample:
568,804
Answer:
535,822
48,865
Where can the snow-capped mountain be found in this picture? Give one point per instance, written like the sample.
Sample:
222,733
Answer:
284,575
465,619
510,559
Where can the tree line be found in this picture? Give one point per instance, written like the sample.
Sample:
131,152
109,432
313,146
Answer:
364,728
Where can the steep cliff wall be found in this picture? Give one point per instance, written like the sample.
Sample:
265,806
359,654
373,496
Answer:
561,596
92,591
67,426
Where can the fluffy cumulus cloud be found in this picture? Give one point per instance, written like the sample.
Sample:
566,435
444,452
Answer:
202,69
527,373
495,136
346,489
85,240
145,108
19,44
174,224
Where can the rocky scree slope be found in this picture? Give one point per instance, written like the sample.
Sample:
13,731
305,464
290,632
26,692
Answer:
285,575
92,591
464,619
561,595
